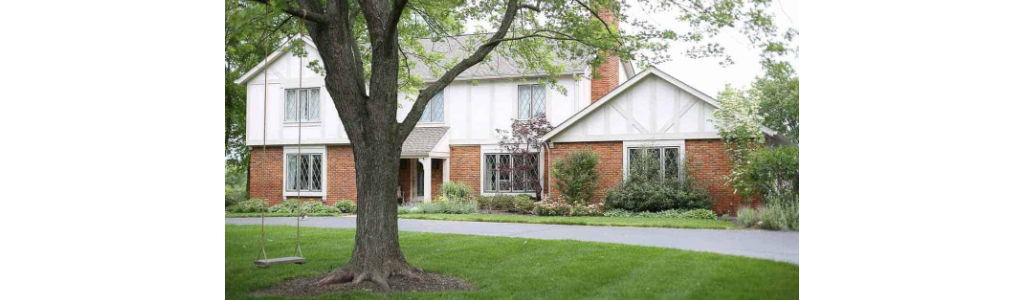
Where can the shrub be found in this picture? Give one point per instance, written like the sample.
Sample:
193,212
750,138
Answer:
747,217
456,191
772,172
576,176
618,213
346,206
551,208
317,207
449,207
779,215
503,203
522,204
646,190
583,210
698,214
484,202
233,196
249,206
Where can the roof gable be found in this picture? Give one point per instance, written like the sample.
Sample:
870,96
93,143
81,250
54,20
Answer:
271,59
676,108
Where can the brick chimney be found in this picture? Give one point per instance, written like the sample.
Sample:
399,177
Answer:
606,76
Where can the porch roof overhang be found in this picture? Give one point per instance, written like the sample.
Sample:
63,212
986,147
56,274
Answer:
422,142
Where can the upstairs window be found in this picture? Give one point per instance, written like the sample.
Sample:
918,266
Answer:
531,101
434,112
303,173
302,105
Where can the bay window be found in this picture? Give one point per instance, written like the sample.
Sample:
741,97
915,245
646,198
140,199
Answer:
509,173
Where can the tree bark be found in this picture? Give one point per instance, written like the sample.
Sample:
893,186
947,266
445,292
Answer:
371,122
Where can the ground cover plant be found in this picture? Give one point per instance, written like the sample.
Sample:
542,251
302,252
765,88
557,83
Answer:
579,220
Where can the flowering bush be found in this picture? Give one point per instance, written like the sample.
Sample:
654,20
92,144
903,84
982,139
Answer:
583,210
551,208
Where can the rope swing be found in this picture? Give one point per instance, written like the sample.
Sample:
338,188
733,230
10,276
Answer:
296,257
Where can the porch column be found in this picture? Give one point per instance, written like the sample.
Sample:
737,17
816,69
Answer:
426,178
444,171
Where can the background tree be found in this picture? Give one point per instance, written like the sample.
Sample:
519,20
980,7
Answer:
773,101
367,49
251,33
523,143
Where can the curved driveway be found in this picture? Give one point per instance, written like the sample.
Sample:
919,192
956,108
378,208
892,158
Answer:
780,246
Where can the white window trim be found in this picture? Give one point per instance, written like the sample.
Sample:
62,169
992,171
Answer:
322,150
636,144
497,149
284,102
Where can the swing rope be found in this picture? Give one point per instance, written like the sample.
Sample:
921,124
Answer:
266,57
298,218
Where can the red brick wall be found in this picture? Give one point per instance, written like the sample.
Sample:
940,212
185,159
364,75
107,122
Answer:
606,77
436,177
266,174
709,164
341,174
465,166
609,166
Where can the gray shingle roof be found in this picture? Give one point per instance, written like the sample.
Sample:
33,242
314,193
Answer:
422,139
458,47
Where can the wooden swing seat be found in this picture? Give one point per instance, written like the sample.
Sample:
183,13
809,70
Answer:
263,263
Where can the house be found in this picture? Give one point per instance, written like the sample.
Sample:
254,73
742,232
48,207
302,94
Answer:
456,140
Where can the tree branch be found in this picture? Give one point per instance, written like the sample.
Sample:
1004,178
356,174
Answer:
595,14
426,94
303,13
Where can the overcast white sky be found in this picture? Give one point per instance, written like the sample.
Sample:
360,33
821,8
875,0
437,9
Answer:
706,74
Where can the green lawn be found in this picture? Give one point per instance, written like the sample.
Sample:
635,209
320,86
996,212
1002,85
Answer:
515,268
594,221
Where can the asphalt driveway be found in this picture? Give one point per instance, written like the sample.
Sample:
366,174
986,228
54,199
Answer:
773,245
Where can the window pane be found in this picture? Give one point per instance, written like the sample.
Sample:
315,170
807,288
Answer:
538,100
504,176
425,117
291,105
656,154
491,179
290,175
519,177
524,102
634,154
672,162
316,173
313,105
437,112
304,172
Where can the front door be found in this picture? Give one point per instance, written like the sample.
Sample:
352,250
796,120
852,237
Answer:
419,179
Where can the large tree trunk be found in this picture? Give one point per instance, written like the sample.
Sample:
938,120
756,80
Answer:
371,121
377,254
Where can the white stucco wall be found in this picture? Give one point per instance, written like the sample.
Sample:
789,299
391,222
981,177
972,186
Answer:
473,110
651,109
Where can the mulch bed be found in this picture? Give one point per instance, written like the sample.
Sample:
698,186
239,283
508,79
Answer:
307,287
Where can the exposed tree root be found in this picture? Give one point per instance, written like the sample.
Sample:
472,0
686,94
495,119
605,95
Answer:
379,275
